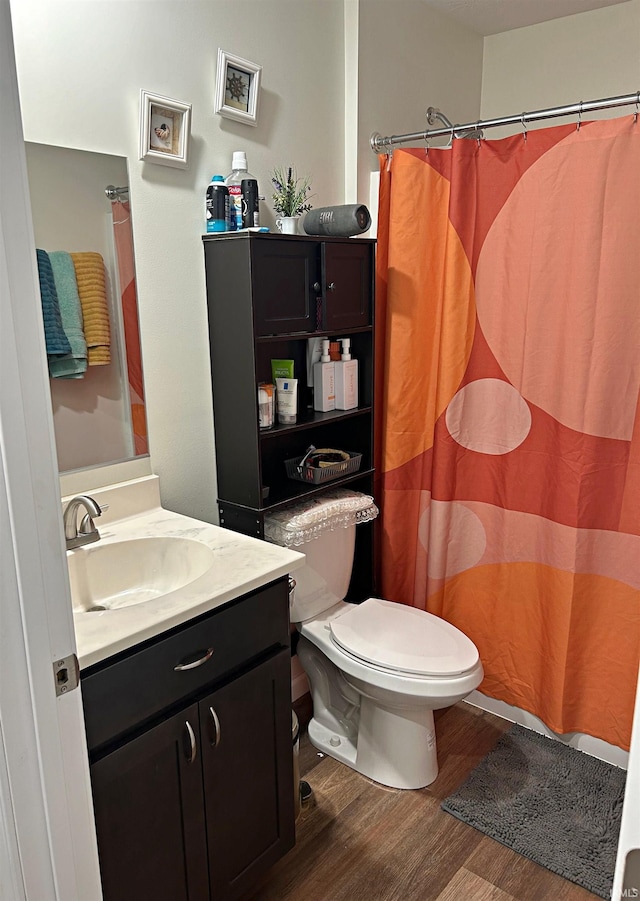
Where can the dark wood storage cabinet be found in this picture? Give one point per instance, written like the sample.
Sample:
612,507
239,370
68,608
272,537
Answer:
192,771
267,294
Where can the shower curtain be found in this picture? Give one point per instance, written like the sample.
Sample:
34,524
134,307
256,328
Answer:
123,236
508,349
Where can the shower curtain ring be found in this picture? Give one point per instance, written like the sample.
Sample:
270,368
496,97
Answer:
479,131
524,127
426,143
389,152
579,117
635,115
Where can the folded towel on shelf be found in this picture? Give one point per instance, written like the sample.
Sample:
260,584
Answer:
92,289
73,365
56,342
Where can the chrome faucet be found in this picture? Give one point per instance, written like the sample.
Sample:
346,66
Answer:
87,533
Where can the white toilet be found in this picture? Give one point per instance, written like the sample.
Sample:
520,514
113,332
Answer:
376,670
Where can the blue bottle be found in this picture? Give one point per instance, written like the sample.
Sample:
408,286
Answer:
217,205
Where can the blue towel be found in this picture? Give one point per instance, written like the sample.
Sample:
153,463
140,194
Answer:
57,343
73,365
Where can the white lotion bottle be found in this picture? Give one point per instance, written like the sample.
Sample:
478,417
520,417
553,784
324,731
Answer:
346,379
324,394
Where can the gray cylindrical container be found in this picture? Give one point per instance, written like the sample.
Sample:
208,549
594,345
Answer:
338,221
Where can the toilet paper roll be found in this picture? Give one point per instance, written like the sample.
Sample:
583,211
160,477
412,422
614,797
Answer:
338,221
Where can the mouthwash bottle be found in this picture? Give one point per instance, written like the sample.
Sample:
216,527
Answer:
234,182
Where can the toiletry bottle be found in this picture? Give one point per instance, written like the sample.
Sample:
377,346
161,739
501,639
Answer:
324,395
250,205
217,205
346,379
234,182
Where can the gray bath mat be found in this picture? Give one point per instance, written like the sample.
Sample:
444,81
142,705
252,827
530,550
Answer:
557,806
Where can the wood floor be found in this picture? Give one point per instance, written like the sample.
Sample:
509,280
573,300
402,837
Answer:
359,841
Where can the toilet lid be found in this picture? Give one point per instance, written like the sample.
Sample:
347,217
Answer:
404,639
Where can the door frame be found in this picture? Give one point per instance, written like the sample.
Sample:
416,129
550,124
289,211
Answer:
47,834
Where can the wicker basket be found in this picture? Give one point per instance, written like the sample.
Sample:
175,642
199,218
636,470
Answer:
320,474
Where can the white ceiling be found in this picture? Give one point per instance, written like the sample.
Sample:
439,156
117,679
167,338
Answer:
493,16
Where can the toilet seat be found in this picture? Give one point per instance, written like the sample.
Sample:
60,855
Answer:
403,639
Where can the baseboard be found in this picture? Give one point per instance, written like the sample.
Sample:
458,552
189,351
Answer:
595,747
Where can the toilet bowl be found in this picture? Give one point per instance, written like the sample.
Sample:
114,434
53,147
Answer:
376,670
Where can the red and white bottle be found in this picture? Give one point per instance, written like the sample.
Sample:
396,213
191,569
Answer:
234,183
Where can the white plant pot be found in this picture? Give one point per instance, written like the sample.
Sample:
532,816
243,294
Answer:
288,225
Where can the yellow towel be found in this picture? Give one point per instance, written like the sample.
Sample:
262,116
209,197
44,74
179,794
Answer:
92,290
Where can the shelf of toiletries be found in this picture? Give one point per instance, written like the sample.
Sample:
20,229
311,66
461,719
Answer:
303,354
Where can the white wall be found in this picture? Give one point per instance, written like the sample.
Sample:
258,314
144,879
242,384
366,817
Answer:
411,57
582,57
81,66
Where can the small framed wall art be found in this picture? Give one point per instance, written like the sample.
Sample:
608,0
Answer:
237,88
164,130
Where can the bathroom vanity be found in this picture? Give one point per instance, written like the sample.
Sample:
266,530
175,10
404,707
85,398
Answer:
187,709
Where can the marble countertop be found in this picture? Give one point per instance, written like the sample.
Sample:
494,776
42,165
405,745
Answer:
241,565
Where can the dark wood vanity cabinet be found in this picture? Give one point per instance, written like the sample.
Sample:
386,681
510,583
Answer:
191,770
267,295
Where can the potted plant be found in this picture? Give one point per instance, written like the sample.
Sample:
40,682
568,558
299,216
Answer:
290,198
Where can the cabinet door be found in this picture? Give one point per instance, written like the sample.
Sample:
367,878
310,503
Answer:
149,815
348,285
283,274
248,775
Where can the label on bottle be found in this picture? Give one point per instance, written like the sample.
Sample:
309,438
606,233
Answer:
235,205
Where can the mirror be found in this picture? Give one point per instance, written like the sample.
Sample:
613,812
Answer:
99,418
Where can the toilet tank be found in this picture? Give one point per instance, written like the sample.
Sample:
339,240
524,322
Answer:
324,578
324,529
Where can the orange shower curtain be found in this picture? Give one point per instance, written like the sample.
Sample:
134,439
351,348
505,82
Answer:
508,309
123,236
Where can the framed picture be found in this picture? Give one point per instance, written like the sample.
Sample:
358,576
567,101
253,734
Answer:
237,88
164,130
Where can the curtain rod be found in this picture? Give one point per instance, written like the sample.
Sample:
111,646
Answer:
114,193
380,144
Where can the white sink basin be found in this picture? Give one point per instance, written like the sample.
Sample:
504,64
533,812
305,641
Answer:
126,573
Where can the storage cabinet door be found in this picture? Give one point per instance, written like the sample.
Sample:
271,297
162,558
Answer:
248,775
283,274
150,818
348,285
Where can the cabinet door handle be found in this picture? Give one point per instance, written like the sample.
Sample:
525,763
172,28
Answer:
214,724
331,286
317,287
190,747
192,664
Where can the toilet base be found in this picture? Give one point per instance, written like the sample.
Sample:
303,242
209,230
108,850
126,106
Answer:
396,748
